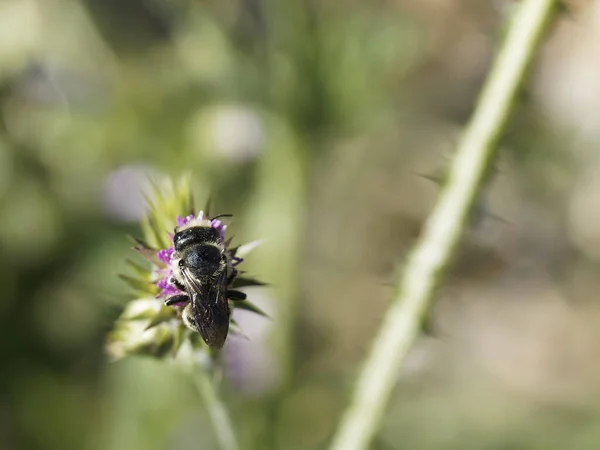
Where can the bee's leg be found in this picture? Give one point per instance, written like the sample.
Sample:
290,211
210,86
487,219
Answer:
175,282
232,275
234,295
187,316
174,300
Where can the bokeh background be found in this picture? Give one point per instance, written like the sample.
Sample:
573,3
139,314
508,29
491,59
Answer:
324,127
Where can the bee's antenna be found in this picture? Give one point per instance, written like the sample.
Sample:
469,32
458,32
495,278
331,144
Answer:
221,215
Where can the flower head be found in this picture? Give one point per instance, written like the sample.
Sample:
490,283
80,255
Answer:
156,320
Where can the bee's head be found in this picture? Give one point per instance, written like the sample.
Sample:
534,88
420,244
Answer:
195,235
202,260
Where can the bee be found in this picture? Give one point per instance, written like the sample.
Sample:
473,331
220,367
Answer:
203,269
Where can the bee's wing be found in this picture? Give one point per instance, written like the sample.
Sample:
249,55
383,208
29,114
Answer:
210,308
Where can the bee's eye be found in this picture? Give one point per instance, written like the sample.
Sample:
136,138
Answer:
181,263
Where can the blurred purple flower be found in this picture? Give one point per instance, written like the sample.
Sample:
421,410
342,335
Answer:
125,191
251,365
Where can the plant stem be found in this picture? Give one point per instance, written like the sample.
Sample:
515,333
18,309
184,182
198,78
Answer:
217,412
443,229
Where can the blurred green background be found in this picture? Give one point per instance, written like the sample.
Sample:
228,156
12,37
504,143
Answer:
310,122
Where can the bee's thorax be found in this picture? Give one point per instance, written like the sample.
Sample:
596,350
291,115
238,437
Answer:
202,260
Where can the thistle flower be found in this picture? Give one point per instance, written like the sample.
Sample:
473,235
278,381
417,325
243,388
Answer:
149,326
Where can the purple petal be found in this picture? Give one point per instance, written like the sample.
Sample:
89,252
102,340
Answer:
165,255
183,220
169,291
166,288
163,283
219,226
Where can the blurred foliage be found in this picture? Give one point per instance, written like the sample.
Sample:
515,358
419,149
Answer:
308,121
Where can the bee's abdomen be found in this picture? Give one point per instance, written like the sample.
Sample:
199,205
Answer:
212,321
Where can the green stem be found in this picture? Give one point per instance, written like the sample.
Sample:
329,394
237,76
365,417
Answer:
443,229
217,412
